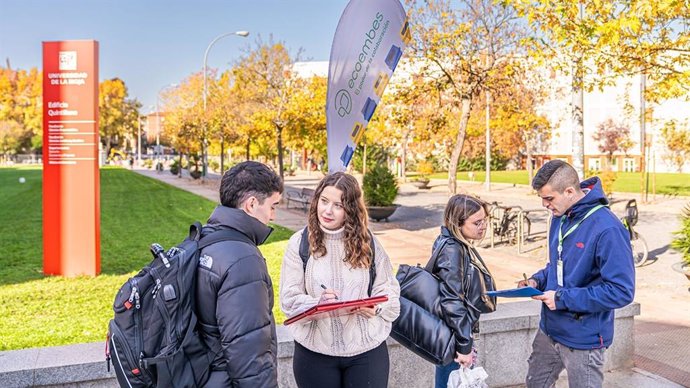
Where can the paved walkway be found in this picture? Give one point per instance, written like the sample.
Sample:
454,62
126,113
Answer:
662,330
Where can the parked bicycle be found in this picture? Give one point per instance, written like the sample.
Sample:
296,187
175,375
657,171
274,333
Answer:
637,242
505,220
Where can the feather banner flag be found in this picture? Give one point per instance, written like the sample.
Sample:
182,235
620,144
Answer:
368,44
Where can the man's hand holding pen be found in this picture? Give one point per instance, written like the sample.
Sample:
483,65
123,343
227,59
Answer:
525,282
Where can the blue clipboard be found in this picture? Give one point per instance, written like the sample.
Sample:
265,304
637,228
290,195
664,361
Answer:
522,292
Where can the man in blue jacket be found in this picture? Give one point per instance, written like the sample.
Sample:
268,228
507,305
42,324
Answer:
590,274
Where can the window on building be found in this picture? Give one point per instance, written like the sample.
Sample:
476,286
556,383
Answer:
594,164
629,165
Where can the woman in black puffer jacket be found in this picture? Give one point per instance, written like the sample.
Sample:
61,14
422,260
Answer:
464,277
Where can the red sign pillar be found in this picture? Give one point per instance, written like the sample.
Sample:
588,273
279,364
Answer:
71,184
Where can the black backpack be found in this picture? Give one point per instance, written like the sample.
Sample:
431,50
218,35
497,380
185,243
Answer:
153,338
304,255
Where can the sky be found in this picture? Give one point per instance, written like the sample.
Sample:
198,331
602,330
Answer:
151,44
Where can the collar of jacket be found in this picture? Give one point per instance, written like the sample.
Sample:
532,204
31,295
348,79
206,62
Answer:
227,217
594,197
445,233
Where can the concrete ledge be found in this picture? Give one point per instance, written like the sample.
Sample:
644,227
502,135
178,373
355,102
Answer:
81,365
504,346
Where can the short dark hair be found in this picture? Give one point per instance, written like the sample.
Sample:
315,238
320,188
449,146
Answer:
248,179
557,173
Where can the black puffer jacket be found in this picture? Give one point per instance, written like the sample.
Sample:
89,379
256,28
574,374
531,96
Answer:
234,302
450,268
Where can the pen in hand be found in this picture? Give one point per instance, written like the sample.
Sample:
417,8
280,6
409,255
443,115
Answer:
524,275
325,288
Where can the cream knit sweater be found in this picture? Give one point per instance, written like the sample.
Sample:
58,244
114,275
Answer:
345,335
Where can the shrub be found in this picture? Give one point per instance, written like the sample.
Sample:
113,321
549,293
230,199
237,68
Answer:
607,178
681,242
214,165
148,163
380,186
174,167
375,155
425,168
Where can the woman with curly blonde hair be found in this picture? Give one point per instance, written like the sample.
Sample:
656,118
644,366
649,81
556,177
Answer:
347,350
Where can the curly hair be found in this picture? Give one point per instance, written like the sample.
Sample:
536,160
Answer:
357,238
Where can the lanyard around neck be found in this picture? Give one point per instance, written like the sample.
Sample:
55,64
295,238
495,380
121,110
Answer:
562,237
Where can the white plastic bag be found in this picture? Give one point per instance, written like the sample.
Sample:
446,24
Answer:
468,378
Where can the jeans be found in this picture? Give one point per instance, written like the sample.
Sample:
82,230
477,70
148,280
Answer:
549,358
442,373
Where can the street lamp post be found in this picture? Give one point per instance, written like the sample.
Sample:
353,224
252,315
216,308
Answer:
204,156
487,156
138,140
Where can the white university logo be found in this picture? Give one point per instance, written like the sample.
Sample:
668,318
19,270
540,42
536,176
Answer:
68,60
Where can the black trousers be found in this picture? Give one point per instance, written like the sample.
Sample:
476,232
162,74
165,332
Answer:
316,370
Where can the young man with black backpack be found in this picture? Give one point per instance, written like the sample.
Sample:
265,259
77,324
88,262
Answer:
201,313
234,292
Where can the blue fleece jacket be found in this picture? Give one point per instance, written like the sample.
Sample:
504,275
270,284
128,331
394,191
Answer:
598,273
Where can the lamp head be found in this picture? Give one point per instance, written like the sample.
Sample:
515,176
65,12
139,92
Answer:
243,34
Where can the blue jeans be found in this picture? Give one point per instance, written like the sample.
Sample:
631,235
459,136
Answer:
442,373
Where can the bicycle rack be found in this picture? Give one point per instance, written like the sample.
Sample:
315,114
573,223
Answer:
498,213
521,215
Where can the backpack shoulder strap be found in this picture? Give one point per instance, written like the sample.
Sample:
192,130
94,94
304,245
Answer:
372,266
304,255
304,248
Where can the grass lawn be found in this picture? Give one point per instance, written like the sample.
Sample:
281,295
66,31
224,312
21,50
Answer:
135,211
626,182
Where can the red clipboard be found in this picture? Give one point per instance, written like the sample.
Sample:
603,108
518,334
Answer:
339,308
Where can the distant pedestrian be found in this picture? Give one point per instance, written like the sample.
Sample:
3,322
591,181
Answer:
590,274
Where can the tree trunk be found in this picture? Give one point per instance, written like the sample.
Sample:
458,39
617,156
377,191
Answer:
404,157
364,160
107,147
222,154
279,136
529,146
459,142
249,143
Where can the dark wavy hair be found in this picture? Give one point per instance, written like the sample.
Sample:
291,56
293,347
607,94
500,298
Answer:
357,238
248,179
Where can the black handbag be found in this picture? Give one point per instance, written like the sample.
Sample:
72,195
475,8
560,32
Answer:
419,327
